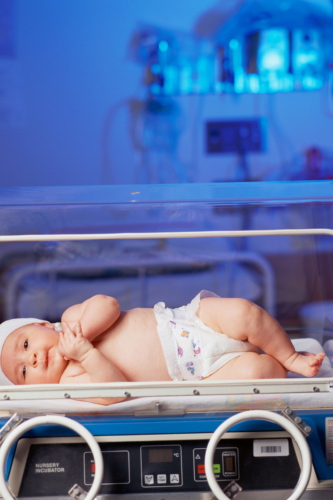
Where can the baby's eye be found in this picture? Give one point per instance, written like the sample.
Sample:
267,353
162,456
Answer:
24,371
26,344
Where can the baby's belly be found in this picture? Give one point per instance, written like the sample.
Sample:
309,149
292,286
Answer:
133,345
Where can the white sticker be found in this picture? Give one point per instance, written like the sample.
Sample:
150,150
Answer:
329,440
270,448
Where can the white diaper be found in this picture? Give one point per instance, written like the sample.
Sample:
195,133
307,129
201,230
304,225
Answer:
193,350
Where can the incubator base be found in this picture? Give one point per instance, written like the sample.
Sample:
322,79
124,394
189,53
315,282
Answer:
164,458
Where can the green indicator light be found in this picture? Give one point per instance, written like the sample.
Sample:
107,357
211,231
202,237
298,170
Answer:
216,468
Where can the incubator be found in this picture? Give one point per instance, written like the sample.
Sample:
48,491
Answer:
268,242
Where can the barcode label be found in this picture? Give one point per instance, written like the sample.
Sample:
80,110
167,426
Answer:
270,447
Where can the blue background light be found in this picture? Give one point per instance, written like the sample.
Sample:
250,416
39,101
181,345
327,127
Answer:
163,46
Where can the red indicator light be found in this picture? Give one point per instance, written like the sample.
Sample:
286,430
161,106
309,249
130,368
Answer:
93,468
201,469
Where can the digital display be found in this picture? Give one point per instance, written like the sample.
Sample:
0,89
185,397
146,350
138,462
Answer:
157,455
229,464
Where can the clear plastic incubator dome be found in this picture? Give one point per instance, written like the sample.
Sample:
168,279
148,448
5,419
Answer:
163,250
268,243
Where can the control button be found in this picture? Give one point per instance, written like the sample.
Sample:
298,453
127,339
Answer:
174,478
93,469
161,478
217,468
201,469
149,479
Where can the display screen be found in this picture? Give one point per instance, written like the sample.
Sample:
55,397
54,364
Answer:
229,464
160,455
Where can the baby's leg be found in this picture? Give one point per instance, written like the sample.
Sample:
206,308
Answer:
248,366
243,320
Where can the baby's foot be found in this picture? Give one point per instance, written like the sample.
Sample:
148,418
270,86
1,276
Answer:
305,363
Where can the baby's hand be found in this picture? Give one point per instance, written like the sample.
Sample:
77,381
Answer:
72,343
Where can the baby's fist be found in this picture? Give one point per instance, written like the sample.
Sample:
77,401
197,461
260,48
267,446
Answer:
72,343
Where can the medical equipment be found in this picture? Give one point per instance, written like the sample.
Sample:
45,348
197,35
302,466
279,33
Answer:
294,432
154,443
175,62
280,46
261,47
156,126
256,455
53,419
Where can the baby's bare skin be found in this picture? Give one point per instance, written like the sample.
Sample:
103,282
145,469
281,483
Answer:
101,344
133,344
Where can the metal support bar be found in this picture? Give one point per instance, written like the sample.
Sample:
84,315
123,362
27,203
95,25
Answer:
161,389
166,234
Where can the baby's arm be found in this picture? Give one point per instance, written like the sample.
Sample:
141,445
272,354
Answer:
96,315
73,345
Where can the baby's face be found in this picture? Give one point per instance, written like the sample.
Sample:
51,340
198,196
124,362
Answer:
30,355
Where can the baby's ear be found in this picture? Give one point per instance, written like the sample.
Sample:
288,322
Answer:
47,325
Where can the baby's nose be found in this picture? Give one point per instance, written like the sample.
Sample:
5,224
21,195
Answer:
33,359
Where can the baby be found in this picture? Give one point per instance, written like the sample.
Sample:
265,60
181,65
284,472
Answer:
211,338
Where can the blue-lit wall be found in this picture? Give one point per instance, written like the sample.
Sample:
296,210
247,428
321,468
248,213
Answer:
72,67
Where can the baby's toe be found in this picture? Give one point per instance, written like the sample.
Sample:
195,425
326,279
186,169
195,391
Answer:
320,358
315,372
317,360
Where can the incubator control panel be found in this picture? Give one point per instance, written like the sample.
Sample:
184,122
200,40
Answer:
225,465
161,465
49,467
